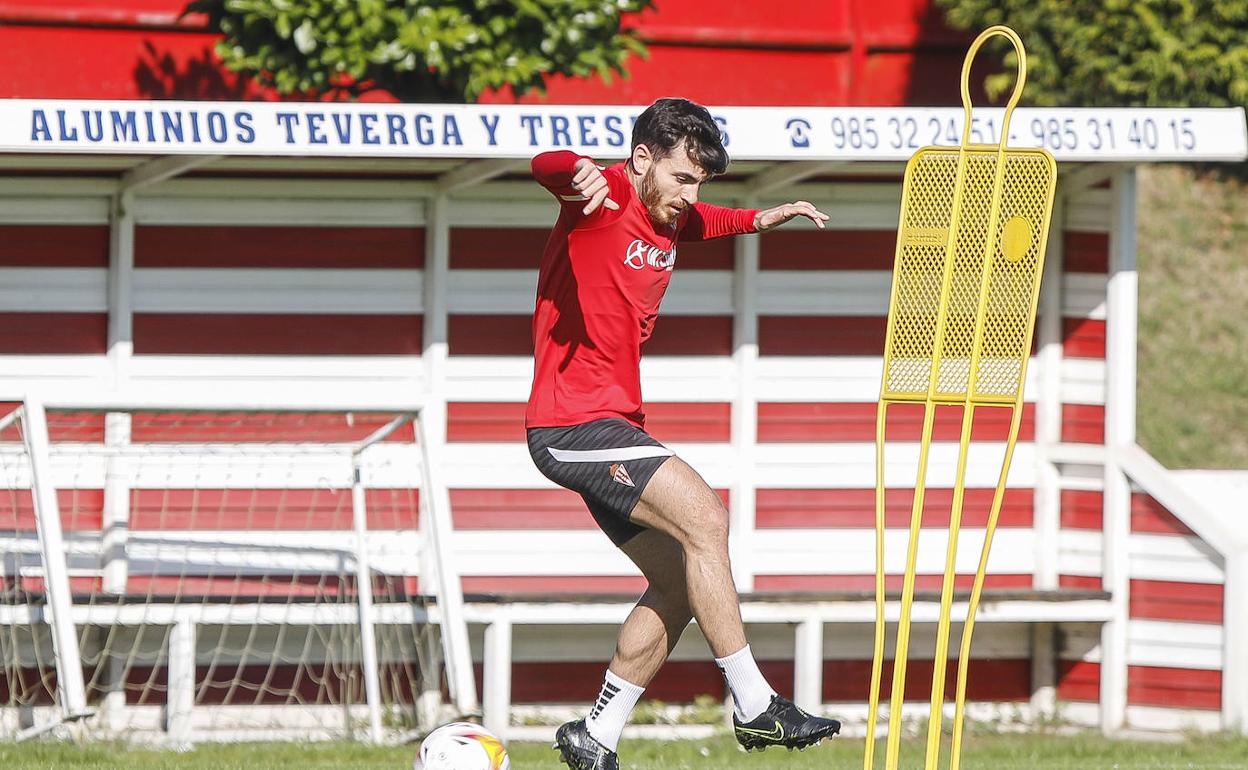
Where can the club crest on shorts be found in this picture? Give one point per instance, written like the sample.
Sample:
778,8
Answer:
620,475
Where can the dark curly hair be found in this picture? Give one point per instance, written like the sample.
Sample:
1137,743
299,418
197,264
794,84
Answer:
668,122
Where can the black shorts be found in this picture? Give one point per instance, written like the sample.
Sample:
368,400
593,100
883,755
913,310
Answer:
608,462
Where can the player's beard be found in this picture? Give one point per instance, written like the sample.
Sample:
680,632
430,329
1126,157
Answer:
652,199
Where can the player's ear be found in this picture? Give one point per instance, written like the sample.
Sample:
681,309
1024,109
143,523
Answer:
641,159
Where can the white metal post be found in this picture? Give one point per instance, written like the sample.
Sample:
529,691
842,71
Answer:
496,676
364,596
808,664
116,504
1235,643
121,285
1120,381
1048,494
436,518
113,540
741,495
181,696
431,429
55,571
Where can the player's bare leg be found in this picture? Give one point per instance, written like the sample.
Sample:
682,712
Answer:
678,502
646,639
662,613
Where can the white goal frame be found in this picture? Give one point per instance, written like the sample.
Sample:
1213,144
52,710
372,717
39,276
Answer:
64,617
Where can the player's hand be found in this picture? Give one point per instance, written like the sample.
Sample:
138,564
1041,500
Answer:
589,182
769,219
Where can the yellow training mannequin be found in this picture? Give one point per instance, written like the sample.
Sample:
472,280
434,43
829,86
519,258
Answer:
970,252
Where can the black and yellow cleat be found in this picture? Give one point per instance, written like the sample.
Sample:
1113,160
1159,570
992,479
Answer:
579,751
784,724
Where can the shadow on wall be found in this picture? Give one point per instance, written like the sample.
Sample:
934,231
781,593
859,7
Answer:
935,73
160,75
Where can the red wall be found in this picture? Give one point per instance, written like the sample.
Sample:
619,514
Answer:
835,52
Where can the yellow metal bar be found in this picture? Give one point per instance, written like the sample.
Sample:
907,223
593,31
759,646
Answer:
964,653
935,715
893,755
877,657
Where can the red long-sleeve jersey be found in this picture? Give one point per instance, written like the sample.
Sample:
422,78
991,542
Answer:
601,281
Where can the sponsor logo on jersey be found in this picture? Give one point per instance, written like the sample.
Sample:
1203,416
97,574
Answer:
639,254
620,475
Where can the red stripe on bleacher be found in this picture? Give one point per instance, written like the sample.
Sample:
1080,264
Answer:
485,421
1146,685
227,586
690,335
276,334
235,246
715,254
831,421
1174,687
698,421
53,246
519,509
1086,252
1081,509
821,335
269,509
553,584
263,427
501,248
80,509
1084,582
828,250
1083,423
1079,680
53,333
1149,516
1083,338
892,582
489,335
681,681
855,508
990,679
1182,602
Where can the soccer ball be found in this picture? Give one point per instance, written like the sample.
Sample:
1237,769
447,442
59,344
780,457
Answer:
462,746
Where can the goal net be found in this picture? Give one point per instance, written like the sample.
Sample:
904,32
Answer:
222,574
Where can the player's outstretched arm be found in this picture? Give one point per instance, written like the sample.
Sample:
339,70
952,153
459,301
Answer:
573,178
769,219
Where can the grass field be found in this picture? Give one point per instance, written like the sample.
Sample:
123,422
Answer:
1193,337
992,751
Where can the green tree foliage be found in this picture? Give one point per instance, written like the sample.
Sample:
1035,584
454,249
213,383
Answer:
420,50
1183,53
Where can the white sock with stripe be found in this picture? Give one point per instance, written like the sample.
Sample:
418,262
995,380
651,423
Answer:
616,701
751,695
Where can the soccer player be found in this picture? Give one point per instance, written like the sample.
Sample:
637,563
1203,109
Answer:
603,274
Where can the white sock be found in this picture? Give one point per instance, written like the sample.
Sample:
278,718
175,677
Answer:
616,701
751,695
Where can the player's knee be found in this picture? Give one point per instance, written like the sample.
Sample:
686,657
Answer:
708,529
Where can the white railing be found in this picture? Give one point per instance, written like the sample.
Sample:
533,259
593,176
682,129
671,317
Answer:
1230,539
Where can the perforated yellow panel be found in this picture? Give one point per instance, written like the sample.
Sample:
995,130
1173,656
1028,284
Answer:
967,273
970,254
